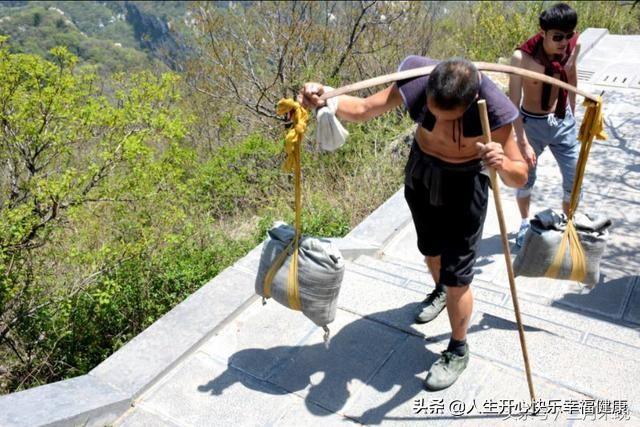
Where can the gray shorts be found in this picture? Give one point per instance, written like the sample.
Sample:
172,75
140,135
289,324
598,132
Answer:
561,137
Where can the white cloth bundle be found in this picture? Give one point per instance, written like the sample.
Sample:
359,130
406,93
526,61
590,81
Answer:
330,133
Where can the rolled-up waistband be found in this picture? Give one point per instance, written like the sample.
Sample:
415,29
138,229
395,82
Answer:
537,115
429,170
533,115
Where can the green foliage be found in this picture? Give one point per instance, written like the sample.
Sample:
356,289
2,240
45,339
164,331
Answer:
94,184
240,176
39,26
618,17
126,301
37,19
486,31
498,29
322,218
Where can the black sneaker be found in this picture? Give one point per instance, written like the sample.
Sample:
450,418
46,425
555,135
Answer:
446,370
429,309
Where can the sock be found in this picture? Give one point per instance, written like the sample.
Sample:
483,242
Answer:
525,221
457,347
439,287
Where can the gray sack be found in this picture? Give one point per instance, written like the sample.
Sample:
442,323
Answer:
543,240
320,272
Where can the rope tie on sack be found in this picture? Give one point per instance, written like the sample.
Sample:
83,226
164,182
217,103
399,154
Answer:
592,127
292,143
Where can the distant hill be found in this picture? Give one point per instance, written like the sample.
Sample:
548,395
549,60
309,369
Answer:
115,35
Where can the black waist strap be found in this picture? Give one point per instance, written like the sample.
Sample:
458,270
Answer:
533,115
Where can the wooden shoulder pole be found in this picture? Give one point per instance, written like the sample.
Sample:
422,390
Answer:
486,133
483,66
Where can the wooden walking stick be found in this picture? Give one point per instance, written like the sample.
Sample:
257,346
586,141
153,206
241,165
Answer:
486,133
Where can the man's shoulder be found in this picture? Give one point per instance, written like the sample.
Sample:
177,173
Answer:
522,59
415,61
501,110
413,90
518,55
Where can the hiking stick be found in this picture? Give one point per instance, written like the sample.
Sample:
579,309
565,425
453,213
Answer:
485,66
486,133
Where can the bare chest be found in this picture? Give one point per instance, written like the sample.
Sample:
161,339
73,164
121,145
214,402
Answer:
532,89
446,142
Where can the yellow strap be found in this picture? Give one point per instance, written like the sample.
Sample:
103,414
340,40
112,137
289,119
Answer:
592,127
292,143
271,274
578,265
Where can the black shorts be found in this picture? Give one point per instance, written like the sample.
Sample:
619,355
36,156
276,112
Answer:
448,203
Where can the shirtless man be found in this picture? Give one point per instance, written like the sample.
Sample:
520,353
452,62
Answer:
445,186
547,112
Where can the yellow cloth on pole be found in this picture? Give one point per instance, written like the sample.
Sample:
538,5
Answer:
592,127
292,142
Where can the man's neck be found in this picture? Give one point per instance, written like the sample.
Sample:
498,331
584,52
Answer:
552,56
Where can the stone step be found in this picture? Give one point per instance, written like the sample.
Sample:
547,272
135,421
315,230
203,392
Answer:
556,346
615,335
270,366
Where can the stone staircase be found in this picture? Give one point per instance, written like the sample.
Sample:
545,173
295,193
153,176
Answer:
271,365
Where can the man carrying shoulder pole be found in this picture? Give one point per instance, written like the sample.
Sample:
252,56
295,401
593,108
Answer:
446,185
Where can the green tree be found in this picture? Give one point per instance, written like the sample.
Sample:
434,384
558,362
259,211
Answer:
37,19
253,56
71,153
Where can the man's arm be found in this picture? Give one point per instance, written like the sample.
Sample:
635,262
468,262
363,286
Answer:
353,108
572,77
504,155
515,91
515,94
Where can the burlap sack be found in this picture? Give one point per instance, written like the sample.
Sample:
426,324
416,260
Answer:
320,272
543,239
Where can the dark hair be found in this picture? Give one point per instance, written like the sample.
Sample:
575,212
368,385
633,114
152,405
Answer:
453,83
560,16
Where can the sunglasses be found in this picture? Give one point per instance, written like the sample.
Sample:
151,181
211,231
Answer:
559,37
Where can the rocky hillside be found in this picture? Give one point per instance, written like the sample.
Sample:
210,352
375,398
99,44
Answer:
115,35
